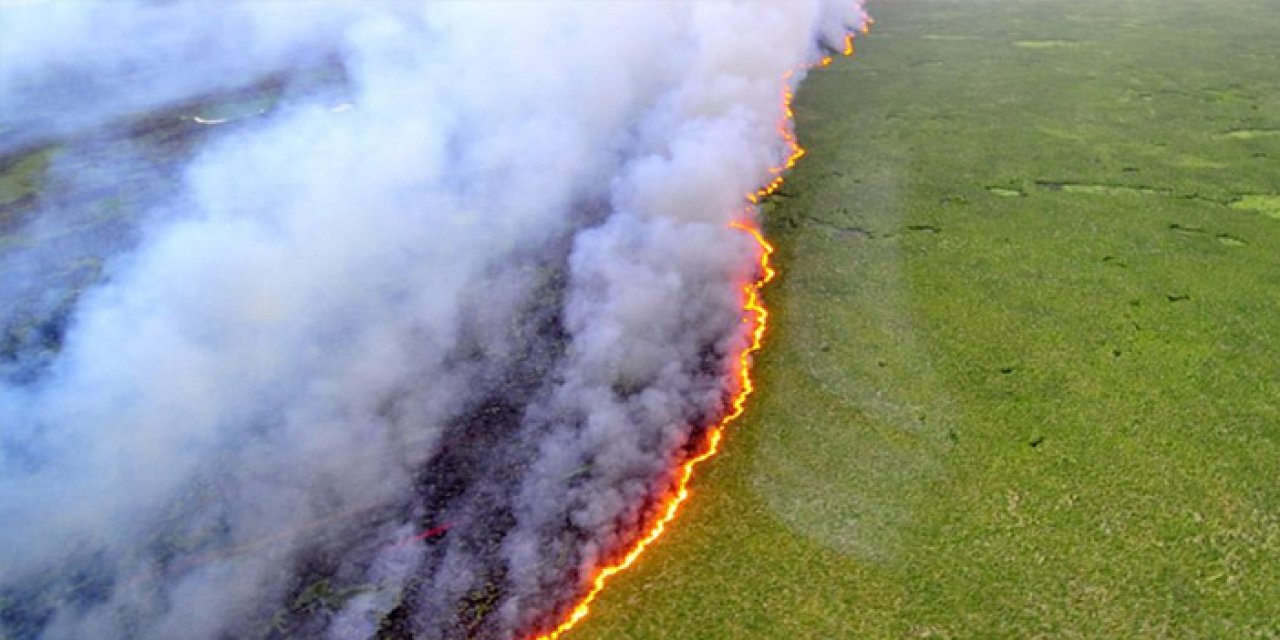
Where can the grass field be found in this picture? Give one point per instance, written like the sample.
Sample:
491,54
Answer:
1024,374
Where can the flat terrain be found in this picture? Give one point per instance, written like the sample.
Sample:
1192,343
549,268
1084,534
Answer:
1024,374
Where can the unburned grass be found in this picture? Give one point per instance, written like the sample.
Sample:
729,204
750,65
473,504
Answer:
1022,379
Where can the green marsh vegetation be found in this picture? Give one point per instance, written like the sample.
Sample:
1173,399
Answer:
1023,376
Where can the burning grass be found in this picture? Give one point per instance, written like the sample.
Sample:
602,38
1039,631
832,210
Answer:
315,590
990,407
1054,415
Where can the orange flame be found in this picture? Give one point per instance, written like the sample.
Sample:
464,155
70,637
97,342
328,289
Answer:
785,126
794,150
757,316
754,313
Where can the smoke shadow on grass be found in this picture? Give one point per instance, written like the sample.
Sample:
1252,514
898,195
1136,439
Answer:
867,417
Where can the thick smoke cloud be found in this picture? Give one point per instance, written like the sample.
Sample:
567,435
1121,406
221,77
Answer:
411,351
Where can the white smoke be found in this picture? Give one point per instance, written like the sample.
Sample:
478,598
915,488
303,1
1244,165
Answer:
500,291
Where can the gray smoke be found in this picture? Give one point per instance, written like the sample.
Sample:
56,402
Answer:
414,309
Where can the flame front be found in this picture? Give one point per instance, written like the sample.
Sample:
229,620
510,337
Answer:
786,126
755,314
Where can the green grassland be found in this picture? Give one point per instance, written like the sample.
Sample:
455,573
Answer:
1024,373
1023,378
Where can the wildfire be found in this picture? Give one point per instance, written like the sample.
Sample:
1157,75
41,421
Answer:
755,314
786,129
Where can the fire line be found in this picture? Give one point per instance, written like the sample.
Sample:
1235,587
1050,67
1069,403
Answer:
754,313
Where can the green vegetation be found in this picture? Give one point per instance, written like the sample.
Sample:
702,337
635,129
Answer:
1024,373
1023,377
1268,205
20,180
1250,134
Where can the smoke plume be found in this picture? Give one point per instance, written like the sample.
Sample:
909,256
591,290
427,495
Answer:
357,319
